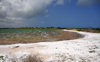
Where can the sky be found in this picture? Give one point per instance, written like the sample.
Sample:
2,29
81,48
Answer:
47,13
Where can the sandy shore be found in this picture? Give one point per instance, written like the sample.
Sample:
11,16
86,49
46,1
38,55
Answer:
85,49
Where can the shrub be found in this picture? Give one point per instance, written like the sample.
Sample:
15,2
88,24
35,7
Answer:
32,59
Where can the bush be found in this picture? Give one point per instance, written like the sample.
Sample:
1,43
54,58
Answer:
32,59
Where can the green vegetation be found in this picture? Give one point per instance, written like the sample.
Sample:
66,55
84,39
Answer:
41,28
94,30
2,57
36,28
81,29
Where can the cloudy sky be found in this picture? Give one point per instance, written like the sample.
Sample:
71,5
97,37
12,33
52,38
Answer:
45,13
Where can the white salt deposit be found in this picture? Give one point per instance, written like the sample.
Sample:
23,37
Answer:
85,49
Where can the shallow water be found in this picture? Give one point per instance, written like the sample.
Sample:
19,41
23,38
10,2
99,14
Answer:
12,36
24,30
26,33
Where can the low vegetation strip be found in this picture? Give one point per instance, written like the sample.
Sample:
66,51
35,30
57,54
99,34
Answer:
93,30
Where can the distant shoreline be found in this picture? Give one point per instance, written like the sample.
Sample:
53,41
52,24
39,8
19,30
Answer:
36,28
93,30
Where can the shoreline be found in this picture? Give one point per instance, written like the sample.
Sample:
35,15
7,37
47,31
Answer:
78,50
50,36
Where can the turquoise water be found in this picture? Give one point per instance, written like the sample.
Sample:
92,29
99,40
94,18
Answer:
31,35
23,30
27,33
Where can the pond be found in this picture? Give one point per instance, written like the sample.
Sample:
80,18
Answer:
13,36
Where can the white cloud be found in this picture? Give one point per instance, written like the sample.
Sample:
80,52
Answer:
88,2
13,10
23,8
60,2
